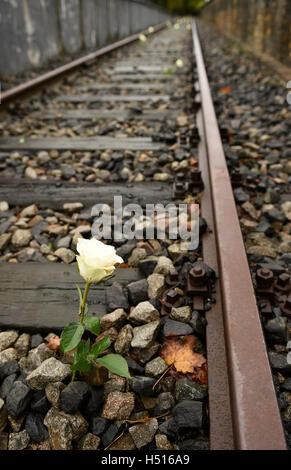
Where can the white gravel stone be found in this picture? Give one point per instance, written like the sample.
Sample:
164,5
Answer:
21,238
143,336
155,285
7,339
4,206
18,440
143,313
164,265
8,355
66,255
156,367
29,211
51,370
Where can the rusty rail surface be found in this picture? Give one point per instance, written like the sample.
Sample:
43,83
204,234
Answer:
255,418
12,93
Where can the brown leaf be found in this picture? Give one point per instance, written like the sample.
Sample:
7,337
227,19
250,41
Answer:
226,89
54,343
181,354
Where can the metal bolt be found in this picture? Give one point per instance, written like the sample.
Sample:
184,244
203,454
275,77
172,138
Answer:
172,296
197,276
179,189
283,280
265,278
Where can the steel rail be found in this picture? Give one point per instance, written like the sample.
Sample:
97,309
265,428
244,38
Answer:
12,93
255,414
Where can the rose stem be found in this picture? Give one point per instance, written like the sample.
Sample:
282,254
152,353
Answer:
82,313
88,284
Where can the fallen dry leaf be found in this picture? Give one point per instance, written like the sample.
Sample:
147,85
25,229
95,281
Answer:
226,89
54,343
181,354
193,161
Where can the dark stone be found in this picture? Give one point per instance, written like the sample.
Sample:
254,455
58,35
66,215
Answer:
156,303
143,385
36,232
274,215
116,298
8,368
134,366
39,403
189,414
282,402
168,427
279,363
166,402
98,425
67,172
274,266
18,399
187,389
195,444
4,436
125,250
277,329
109,434
138,291
198,323
286,259
93,404
258,202
176,328
7,385
4,226
35,427
36,340
73,395
147,266
240,196
265,227
286,385
23,375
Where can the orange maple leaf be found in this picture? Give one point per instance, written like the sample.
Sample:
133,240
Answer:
54,343
181,354
226,89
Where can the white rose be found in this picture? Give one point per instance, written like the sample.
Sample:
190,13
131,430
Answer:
179,63
142,38
96,260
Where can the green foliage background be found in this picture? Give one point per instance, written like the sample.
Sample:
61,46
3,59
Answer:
181,6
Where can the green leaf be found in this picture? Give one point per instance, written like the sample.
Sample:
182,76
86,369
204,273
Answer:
92,324
80,358
99,347
71,336
116,364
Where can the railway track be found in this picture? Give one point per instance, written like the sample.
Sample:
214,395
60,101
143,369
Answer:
140,124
